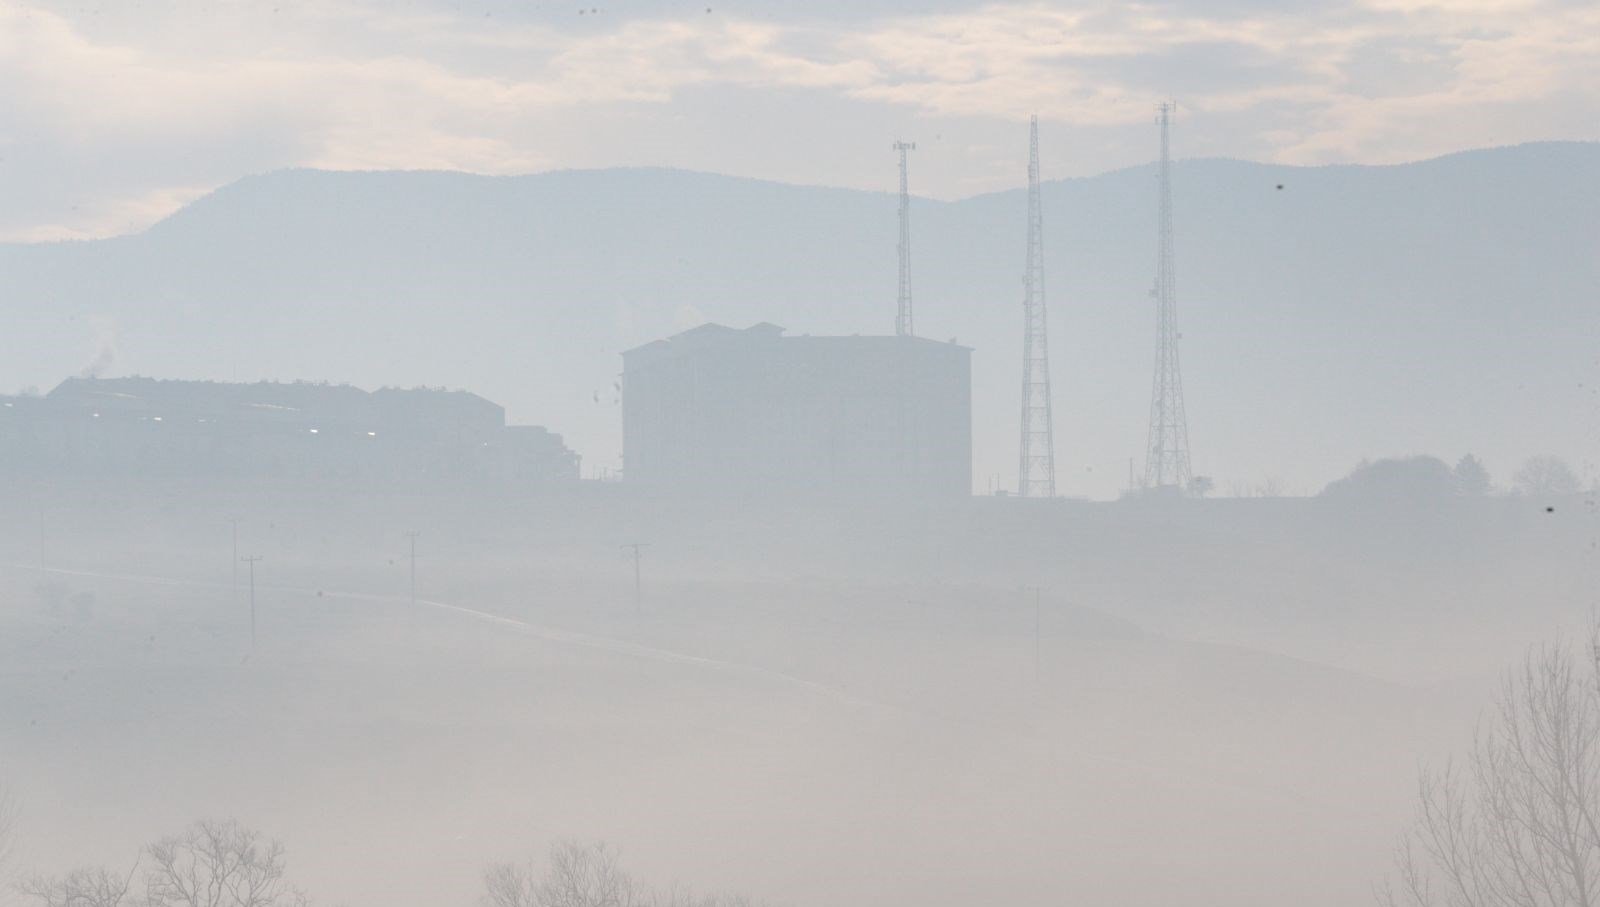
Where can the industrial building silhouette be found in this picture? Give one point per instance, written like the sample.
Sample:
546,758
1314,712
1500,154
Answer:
757,410
298,432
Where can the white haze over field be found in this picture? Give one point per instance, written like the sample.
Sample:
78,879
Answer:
817,707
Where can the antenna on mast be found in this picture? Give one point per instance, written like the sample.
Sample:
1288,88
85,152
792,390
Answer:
1037,467
902,321
1167,457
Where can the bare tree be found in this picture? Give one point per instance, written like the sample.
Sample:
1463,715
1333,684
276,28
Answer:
8,828
1269,487
510,885
1546,475
87,887
218,864
1472,477
579,875
586,875
683,897
1519,824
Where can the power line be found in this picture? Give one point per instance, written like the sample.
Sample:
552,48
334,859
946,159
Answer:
251,560
638,587
412,535
1038,622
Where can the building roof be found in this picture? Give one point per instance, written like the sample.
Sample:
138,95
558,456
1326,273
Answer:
283,400
711,334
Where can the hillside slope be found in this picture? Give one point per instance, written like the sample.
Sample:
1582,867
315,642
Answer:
1445,305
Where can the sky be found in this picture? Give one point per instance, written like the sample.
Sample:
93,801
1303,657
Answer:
113,115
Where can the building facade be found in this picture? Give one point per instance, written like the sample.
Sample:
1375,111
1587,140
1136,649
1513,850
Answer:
300,432
754,409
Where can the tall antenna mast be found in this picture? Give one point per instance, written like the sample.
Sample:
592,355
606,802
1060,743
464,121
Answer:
1167,457
902,321
1037,470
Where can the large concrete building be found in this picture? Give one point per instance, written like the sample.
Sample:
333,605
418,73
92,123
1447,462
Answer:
746,410
301,433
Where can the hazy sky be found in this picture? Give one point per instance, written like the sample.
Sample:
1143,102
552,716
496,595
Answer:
112,114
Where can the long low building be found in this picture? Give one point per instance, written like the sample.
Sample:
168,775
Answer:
300,432
755,409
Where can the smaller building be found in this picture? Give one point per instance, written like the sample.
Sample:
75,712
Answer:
755,409
300,432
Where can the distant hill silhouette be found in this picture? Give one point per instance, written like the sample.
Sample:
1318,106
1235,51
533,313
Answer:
1440,307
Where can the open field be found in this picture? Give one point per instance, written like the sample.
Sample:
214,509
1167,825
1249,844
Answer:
817,708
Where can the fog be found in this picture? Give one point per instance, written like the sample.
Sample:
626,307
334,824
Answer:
483,454
809,704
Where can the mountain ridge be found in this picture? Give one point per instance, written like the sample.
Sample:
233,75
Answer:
1464,281
270,175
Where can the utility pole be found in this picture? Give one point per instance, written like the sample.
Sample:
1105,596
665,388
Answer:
1166,462
1037,620
251,560
638,588
1036,473
234,599
903,323
412,535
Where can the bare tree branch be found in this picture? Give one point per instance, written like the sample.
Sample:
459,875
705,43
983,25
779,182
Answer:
1520,826
218,864
586,875
86,887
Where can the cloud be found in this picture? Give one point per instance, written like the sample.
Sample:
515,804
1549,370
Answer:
109,215
123,107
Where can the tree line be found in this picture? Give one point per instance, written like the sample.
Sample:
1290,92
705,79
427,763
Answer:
1427,478
221,863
